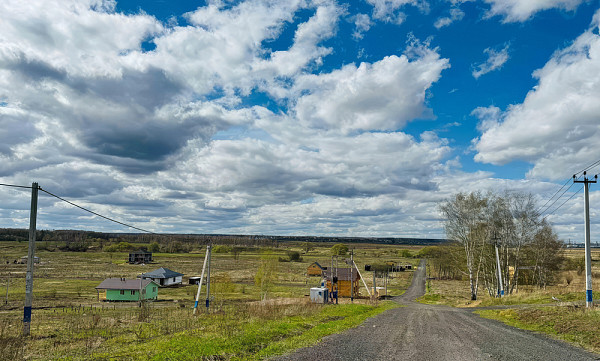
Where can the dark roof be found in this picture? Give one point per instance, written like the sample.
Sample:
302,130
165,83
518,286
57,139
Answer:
343,274
140,251
122,284
162,273
318,265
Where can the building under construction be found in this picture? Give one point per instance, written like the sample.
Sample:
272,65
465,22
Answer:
345,281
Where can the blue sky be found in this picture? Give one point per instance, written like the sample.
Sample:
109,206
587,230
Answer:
294,117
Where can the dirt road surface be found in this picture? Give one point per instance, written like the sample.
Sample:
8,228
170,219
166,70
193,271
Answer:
427,332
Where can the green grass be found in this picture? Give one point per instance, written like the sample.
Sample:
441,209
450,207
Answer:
575,325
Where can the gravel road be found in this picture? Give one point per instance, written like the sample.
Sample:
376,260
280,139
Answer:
427,332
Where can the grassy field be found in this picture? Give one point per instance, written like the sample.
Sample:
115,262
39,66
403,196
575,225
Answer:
68,321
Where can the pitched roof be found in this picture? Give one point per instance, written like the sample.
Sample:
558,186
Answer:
162,273
343,274
318,265
122,284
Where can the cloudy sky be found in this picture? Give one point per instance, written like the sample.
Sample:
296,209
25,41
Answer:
304,117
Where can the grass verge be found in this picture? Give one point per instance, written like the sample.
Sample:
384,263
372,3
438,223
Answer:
575,325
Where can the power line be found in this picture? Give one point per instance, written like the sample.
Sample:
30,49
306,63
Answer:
94,213
593,165
548,201
557,208
14,185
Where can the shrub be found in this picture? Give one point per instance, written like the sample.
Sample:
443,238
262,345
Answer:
404,253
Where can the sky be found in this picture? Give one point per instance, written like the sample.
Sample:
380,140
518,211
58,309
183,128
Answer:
295,117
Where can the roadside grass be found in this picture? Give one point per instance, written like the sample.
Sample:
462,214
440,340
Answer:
575,325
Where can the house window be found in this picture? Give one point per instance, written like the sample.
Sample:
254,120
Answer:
153,289
122,292
133,292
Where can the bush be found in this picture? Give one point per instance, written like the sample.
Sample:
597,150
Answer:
119,247
404,253
154,247
221,249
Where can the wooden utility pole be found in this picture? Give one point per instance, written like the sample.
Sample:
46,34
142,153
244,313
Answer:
30,258
589,301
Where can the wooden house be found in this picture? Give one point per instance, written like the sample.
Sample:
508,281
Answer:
347,280
121,289
315,269
140,256
164,277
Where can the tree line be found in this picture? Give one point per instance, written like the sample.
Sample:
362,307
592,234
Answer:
528,248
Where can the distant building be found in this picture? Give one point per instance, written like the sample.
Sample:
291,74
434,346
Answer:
140,256
164,277
121,289
315,269
23,260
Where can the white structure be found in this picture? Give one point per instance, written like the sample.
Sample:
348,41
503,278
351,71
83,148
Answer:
319,294
164,277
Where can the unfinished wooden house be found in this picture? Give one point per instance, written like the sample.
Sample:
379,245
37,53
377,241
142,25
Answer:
140,256
315,269
347,280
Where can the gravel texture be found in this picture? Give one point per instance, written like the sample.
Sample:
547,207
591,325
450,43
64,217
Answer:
427,332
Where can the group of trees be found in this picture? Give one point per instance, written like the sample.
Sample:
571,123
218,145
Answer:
479,222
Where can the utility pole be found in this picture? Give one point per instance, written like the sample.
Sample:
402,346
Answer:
589,301
209,250
201,279
7,283
351,277
500,286
30,258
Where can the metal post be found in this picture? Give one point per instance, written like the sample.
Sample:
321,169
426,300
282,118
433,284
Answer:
201,279
30,258
589,301
352,277
500,286
208,279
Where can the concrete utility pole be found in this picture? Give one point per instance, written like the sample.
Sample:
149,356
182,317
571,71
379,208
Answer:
209,250
352,277
500,286
589,301
30,258
201,279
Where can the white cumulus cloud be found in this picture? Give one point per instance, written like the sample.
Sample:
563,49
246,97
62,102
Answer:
495,61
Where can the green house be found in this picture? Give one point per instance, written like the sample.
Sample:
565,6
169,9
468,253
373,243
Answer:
121,289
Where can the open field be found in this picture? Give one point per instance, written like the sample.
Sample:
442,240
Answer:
68,320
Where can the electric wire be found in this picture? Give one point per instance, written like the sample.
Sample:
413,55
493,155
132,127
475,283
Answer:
593,165
556,200
14,185
554,195
94,213
563,203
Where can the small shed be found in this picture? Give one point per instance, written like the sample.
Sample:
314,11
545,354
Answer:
194,280
164,277
319,294
140,256
121,289
315,269
347,281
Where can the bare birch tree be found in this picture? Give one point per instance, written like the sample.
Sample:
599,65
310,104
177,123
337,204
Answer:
467,223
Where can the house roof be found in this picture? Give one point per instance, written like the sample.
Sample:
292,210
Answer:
140,251
122,284
343,274
318,265
162,273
